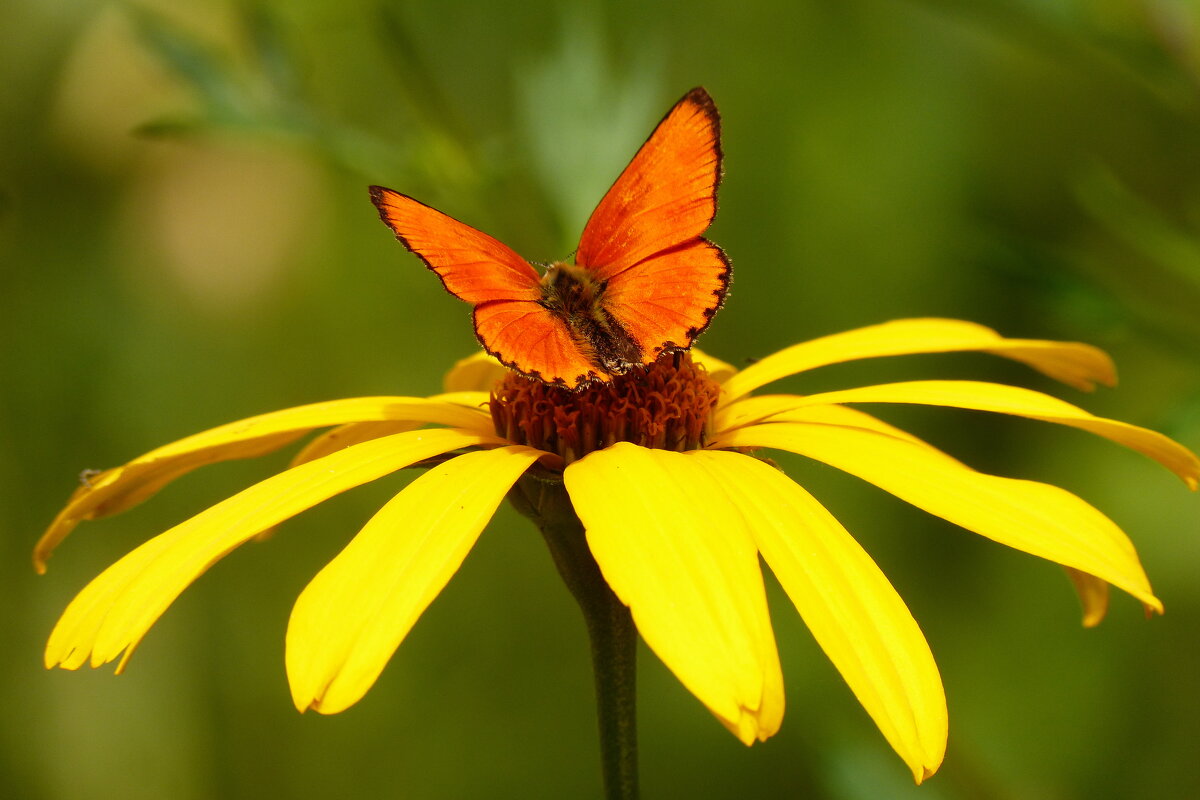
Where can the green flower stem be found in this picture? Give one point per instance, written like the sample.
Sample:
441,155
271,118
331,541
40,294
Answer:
610,627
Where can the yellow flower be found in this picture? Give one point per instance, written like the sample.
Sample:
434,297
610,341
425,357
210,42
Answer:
659,467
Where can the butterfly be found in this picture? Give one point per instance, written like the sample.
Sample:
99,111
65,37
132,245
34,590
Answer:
644,280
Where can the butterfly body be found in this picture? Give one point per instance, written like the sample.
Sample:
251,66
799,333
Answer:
644,282
572,295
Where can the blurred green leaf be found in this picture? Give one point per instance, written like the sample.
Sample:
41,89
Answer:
583,116
171,126
196,63
1139,225
273,53
418,82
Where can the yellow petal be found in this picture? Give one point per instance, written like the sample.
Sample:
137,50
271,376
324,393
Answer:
1079,365
784,408
676,550
115,610
350,619
71,642
751,410
474,399
1093,594
339,438
851,608
794,408
355,432
478,373
720,371
1040,519
1003,399
343,436
118,489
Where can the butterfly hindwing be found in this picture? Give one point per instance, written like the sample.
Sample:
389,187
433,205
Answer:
667,300
531,340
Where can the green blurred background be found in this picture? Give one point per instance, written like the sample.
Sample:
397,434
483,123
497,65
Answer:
186,239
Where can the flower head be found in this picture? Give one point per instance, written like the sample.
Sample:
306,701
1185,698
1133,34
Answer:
661,467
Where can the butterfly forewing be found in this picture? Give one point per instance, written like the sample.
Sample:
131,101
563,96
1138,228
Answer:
664,198
472,265
663,281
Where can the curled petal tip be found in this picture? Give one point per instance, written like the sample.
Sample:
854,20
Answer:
755,724
50,540
747,729
924,773
303,703
925,766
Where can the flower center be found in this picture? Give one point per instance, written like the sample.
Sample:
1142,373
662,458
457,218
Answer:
665,405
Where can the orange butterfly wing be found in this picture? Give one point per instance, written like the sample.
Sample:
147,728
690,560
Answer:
531,340
509,321
663,280
667,300
472,265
